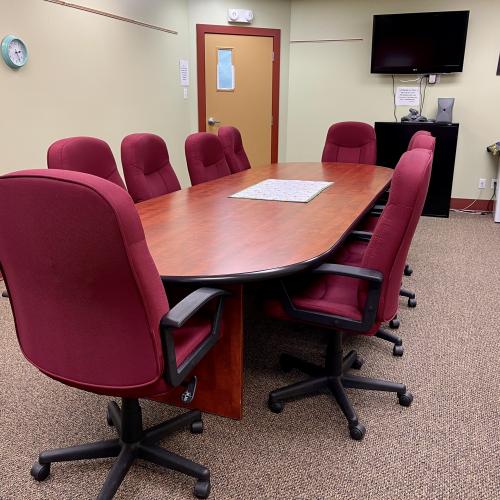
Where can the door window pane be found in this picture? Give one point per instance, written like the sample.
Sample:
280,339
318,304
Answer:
225,69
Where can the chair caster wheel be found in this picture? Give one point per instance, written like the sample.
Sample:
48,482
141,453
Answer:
202,489
357,431
197,427
394,323
358,363
397,350
275,406
405,399
412,302
40,471
408,270
285,364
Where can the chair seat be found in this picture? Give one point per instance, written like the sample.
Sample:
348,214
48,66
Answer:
186,339
327,293
350,254
190,336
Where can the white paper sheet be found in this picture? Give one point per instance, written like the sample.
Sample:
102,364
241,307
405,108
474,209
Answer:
184,72
284,190
407,96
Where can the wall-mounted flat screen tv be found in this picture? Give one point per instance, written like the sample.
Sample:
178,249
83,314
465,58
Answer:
422,43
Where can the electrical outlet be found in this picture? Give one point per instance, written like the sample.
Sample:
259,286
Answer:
493,183
482,183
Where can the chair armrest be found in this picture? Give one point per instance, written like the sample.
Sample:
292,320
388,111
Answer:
350,271
189,306
175,318
375,280
361,235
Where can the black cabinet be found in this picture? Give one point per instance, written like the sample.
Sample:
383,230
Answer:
392,142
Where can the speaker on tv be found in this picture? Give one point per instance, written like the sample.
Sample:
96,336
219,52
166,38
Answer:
445,110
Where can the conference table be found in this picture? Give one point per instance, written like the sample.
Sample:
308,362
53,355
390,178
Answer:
201,237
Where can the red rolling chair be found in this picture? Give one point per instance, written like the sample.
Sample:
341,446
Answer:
146,166
234,152
84,154
205,158
91,312
350,142
420,140
415,136
355,299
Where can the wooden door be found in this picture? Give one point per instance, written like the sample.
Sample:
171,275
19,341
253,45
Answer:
239,84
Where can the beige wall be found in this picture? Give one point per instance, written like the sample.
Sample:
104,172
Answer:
329,82
268,14
90,75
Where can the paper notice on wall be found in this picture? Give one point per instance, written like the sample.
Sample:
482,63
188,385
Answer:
184,72
407,96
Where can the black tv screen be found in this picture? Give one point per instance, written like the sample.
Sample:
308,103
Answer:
423,43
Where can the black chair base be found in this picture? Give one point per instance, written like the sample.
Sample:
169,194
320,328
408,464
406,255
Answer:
335,379
133,443
397,350
408,270
395,323
412,301
5,293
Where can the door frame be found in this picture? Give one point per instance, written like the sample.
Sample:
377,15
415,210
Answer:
201,31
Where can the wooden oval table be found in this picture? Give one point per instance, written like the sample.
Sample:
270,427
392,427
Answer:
201,235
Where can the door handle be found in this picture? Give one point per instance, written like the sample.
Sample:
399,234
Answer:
212,121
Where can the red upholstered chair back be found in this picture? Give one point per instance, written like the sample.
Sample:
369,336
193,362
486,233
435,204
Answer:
422,141
232,145
205,158
86,296
84,154
389,245
147,168
350,142
414,137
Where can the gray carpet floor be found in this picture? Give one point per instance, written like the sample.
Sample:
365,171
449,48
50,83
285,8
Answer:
445,446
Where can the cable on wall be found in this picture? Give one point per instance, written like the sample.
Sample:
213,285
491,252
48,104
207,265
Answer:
394,98
111,16
322,40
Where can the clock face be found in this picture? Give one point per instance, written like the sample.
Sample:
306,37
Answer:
14,51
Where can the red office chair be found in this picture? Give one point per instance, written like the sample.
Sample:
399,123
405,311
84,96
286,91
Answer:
91,312
234,152
350,142
355,299
84,154
420,140
205,158
146,166
413,144
415,136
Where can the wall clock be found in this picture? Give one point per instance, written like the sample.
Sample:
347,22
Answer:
14,52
